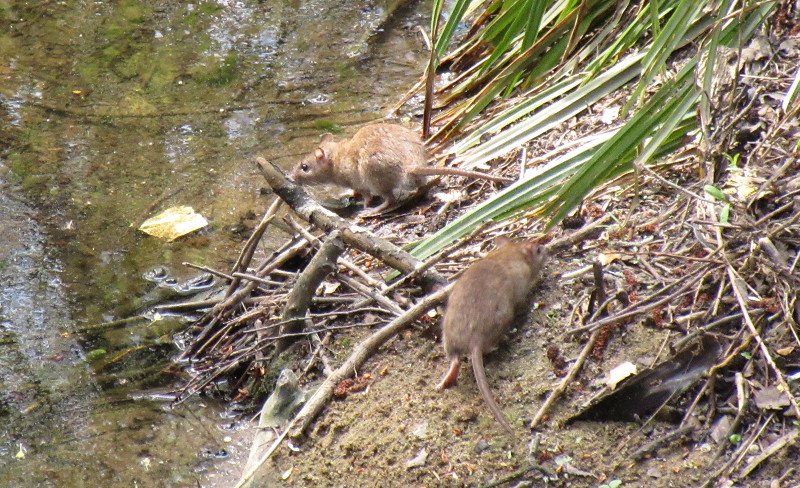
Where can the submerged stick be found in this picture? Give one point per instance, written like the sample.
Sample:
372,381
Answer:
113,325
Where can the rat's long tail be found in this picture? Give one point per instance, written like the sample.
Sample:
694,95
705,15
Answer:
483,386
446,170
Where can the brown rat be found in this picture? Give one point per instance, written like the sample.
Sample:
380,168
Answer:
383,160
483,304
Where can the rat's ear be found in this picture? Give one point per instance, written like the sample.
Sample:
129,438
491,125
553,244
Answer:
534,250
326,137
319,155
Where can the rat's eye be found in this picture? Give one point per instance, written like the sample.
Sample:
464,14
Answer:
304,167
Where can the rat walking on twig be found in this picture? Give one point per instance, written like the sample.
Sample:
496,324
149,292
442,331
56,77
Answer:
483,304
380,160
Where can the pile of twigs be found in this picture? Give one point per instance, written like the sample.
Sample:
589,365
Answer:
264,310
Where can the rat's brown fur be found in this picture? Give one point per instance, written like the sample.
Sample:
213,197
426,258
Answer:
383,160
483,304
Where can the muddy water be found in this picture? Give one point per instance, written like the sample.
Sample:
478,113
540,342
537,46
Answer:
104,108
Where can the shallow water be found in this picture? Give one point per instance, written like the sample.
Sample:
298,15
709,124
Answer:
105,107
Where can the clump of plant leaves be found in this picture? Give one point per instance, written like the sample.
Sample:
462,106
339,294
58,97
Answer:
540,63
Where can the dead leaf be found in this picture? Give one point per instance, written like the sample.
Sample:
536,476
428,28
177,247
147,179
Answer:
173,222
770,398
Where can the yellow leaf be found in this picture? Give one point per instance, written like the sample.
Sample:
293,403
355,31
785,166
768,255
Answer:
173,223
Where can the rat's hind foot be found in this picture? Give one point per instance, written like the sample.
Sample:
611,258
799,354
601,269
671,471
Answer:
451,377
388,204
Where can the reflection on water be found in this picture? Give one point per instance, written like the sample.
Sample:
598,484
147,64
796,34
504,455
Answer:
105,107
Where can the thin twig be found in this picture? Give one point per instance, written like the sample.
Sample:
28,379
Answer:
662,440
243,261
208,270
687,282
249,277
783,441
370,294
565,382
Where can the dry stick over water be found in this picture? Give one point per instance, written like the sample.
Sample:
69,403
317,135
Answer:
353,235
250,246
243,293
360,354
206,269
232,299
